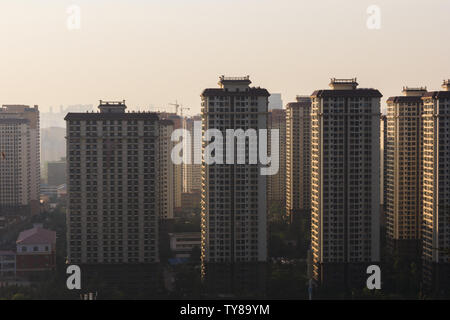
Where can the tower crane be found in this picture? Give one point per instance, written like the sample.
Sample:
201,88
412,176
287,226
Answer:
176,105
183,108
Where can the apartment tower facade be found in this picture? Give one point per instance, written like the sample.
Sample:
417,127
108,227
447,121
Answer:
112,181
166,171
178,168
345,180
298,157
234,199
436,188
403,171
192,172
19,162
276,184
383,160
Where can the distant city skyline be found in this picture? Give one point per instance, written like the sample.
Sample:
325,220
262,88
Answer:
156,52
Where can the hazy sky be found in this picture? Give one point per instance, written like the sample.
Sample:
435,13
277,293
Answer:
152,52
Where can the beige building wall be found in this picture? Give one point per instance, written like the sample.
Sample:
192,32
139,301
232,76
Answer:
234,199
178,168
345,179
166,170
14,175
29,151
383,129
276,184
298,156
192,172
403,169
112,185
436,193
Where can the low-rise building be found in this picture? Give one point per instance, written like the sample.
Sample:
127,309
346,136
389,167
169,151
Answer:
183,243
53,191
36,251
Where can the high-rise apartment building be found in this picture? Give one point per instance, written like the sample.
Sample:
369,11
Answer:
53,147
275,101
345,180
166,170
436,188
383,157
383,161
276,184
56,172
403,171
234,199
113,209
192,172
178,168
19,161
298,157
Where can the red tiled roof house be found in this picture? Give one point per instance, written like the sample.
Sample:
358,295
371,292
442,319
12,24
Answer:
36,251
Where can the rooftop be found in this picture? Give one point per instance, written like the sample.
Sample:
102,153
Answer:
221,92
336,80
437,95
112,106
302,101
405,99
414,92
352,93
306,99
112,103
17,108
223,78
86,116
414,88
343,84
234,82
37,235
